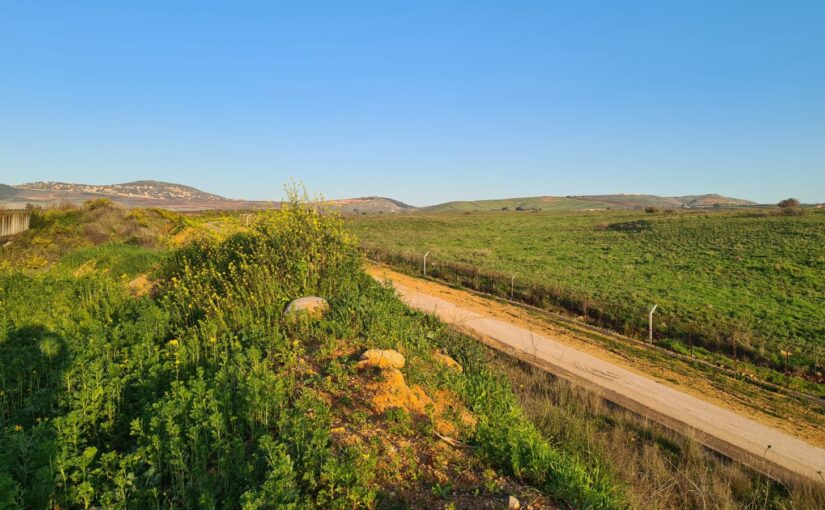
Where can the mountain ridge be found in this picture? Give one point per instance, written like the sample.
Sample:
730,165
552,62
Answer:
167,195
589,202
180,197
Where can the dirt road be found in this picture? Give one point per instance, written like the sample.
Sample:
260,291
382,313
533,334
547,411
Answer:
764,448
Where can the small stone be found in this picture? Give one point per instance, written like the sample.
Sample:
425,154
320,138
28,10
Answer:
312,306
381,358
448,361
513,503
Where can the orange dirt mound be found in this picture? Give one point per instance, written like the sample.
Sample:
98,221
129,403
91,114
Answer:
392,391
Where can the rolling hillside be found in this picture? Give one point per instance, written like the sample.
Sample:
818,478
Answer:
688,201
368,205
178,197
165,195
588,202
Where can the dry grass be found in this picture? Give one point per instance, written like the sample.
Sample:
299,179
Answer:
660,469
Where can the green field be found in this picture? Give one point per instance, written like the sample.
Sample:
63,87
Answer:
527,203
752,279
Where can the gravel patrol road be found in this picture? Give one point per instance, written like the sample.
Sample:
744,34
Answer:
763,448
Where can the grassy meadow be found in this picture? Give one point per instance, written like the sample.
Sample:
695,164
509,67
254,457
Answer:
743,282
146,362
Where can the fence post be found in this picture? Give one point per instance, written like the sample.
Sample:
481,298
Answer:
650,322
425,263
513,285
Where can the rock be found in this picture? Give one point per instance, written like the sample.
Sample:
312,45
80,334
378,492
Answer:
381,358
448,361
513,503
312,306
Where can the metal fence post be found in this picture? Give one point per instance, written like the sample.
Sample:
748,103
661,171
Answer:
513,285
425,263
651,322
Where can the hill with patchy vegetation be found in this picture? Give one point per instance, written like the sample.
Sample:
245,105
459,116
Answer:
369,205
587,203
164,195
176,197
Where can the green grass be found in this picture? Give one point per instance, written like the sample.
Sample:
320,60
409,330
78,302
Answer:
751,276
659,468
118,259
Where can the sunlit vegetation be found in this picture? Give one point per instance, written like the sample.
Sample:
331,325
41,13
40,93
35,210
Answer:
202,394
661,469
154,367
749,283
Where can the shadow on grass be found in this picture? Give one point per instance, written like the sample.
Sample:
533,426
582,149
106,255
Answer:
32,361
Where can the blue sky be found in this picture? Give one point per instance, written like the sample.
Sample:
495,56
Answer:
421,101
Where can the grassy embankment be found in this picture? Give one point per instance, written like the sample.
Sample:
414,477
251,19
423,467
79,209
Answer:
659,469
748,284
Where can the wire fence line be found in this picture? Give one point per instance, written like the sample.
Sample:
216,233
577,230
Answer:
599,319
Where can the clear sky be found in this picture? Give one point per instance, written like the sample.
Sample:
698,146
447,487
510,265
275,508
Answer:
421,101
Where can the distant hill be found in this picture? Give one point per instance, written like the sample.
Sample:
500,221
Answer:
588,202
179,197
367,205
688,201
131,194
165,195
144,190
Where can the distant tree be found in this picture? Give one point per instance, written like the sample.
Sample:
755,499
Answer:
791,207
650,209
789,203
505,208
519,208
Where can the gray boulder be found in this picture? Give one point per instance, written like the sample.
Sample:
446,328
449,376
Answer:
313,306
